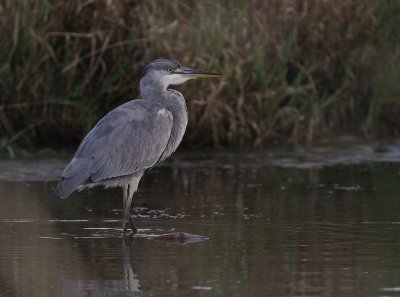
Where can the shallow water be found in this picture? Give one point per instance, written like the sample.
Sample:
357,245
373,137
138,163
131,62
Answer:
278,225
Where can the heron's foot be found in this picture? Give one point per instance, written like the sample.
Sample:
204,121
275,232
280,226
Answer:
128,224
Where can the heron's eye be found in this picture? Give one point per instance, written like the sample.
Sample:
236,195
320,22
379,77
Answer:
169,69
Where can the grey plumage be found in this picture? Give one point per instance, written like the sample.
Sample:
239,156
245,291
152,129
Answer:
129,139
133,137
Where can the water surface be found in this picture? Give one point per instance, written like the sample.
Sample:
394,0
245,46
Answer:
298,224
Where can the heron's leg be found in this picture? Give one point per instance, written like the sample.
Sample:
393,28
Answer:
130,190
125,217
127,210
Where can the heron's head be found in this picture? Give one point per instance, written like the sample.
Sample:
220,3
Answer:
170,72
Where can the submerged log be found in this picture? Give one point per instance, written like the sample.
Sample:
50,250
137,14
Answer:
179,237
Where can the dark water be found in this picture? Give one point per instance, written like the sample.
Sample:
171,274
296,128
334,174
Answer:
277,226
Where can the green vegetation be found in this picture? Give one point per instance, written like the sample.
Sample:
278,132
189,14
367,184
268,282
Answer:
293,70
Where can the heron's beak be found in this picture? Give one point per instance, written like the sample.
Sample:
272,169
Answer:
196,73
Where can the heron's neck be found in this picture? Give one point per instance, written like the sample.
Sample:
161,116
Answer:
152,90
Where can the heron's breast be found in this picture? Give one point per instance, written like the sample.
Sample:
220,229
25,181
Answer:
164,113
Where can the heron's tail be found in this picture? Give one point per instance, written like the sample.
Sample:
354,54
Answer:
75,174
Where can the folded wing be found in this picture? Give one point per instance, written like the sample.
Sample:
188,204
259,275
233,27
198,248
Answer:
129,139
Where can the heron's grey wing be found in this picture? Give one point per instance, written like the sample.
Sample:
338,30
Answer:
129,139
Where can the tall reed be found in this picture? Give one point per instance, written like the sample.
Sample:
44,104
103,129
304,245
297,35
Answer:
293,70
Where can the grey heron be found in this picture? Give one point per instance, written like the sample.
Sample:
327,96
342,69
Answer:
133,137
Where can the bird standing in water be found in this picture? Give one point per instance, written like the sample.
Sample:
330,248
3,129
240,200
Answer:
134,137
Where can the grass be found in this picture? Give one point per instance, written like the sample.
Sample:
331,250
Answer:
293,70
